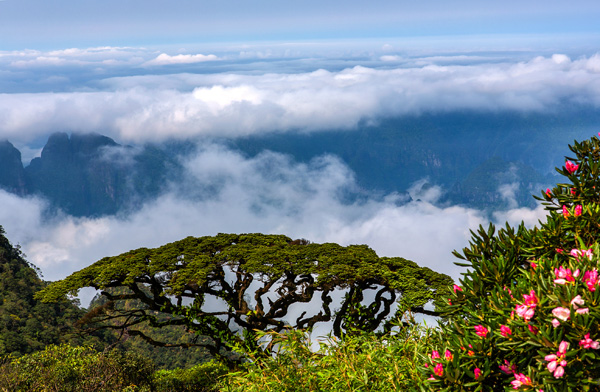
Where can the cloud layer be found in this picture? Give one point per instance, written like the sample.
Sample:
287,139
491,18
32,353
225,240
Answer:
269,193
152,105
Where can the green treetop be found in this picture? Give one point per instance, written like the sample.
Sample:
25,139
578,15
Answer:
227,286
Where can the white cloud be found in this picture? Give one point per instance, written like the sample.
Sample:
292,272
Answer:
219,97
156,107
86,57
270,193
390,57
530,217
165,59
20,217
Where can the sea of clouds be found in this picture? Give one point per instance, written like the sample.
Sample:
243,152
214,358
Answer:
138,95
268,193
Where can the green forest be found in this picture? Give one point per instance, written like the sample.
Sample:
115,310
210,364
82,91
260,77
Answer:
234,312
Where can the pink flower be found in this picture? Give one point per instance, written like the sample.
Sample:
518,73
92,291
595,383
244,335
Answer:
590,278
571,167
586,342
505,330
438,370
565,212
508,368
532,329
559,372
573,191
477,372
531,299
481,331
548,193
525,311
555,323
563,347
559,250
578,210
577,253
435,354
577,301
520,380
561,313
448,355
564,275
456,288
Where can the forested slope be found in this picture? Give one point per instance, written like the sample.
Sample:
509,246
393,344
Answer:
27,325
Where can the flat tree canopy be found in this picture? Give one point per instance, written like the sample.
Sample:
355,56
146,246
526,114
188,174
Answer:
227,286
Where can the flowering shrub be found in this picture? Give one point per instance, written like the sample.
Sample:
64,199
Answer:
526,315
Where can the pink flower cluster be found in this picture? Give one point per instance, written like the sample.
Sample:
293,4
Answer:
520,380
564,275
578,253
564,314
481,331
438,369
577,212
586,342
527,309
557,361
505,330
590,278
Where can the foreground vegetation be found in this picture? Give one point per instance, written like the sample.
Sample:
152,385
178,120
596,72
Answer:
360,363
365,362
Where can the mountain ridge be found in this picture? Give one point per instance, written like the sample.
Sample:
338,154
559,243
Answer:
87,174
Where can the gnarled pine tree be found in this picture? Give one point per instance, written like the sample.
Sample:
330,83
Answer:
228,286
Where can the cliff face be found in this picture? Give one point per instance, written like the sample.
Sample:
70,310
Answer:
74,174
12,174
88,175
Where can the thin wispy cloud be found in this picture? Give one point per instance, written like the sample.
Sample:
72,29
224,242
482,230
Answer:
165,59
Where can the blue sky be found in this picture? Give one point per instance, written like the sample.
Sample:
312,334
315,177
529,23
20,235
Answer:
39,24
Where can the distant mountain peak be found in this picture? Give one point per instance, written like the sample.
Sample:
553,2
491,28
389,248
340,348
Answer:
88,174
